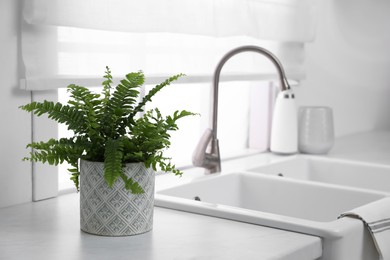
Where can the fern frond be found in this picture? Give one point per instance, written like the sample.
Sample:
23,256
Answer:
171,120
113,156
107,86
55,152
71,116
151,93
164,164
148,135
75,175
90,105
82,96
42,151
121,103
132,185
151,132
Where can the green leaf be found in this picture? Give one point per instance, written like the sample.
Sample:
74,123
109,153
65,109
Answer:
89,104
58,151
107,86
121,103
65,114
152,92
134,187
113,161
75,177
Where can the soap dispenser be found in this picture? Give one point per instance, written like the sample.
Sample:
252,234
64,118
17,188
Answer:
284,129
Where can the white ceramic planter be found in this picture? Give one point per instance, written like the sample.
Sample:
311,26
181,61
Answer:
115,211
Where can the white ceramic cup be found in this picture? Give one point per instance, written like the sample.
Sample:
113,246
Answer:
315,129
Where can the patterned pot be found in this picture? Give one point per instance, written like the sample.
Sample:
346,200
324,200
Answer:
115,211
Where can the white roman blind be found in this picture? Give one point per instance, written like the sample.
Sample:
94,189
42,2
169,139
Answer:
283,20
73,38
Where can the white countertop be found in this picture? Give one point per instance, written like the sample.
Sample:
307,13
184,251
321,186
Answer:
50,229
371,147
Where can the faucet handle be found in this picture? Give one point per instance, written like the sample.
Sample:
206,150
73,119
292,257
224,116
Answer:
199,154
209,160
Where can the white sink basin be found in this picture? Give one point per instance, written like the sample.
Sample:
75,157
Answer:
289,198
305,207
333,171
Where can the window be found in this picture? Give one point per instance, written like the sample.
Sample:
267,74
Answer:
72,41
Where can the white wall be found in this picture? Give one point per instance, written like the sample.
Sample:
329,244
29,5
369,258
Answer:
348,65
15,132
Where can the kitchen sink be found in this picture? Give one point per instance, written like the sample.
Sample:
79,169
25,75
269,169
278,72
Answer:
310,207
331,171
273,195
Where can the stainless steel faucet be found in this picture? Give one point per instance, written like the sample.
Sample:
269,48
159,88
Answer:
208,156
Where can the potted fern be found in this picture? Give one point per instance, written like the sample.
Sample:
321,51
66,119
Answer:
114,152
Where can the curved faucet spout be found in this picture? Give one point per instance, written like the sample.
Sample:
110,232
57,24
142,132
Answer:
211,159
249,48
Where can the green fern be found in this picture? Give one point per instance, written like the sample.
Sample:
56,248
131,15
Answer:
56,152
147,98
113,157
107,86
107,129
74,119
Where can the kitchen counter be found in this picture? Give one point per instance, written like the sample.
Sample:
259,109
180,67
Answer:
50,229
371,147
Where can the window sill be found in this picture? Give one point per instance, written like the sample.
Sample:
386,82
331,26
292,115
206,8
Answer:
39,84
